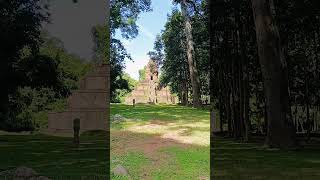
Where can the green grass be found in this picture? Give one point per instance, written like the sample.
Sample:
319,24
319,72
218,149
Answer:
161,112
55,157
146,133
190,163
134,161
234,160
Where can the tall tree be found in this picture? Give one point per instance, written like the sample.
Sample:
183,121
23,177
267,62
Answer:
20,27
194,75
157,54
123,17
175,67
124,14
280,129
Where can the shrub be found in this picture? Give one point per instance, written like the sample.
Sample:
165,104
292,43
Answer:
28,107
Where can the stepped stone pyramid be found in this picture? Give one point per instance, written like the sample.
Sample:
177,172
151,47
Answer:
90,104
148,90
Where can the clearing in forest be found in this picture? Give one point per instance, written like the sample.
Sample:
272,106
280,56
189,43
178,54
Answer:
160,142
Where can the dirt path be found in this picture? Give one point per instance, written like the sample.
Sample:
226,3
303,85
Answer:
124,141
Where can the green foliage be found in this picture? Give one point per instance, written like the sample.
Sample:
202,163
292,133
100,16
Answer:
123,17
120,94
132,82
29,108
70,68
142,74
20,23
45,80
231,57
174,70
157,55
101,39
117,58
124,14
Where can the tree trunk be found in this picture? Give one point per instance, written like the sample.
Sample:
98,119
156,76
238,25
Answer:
221,114
244,80
211,25
280,129
195,81
307,108
184,93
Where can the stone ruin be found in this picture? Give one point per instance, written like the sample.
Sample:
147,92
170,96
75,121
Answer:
148,90
90,103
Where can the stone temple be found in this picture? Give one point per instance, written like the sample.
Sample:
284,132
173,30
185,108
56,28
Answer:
148,91
90,103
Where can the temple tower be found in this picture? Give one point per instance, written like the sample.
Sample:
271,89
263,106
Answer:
148,91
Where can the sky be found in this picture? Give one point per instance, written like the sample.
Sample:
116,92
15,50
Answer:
72,23
150,24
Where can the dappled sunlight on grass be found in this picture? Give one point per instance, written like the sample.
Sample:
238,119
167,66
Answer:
163,158
183,124
176,131
174,140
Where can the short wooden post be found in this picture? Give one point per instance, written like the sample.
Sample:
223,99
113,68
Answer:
134,102
76,131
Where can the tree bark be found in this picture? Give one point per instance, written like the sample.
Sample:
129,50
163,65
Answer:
195,81
220,85
211,25
307,103
280,129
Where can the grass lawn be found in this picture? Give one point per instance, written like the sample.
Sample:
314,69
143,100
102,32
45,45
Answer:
160,142
157,142
55,157
234,160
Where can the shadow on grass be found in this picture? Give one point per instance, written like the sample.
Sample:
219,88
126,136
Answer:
56,157
159,158
234,160
172,140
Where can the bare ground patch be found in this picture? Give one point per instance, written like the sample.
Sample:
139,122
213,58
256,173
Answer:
124,141
167,138
195,133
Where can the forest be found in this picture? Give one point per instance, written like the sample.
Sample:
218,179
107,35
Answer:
266,76
260,78
257,60
254,64
37,72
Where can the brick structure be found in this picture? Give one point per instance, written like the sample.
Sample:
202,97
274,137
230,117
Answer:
90,104
148,91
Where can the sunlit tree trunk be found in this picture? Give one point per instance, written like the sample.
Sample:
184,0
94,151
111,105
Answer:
195,82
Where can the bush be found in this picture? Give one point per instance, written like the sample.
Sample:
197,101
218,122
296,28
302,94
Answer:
29,107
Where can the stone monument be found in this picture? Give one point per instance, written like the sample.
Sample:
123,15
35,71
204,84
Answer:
148,90
90,104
